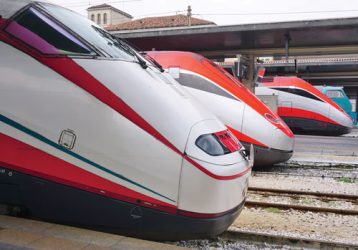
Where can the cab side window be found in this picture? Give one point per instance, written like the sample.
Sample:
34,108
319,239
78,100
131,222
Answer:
299,92
304,93
40,32
334,94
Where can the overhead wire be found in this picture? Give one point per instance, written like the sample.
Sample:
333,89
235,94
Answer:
93,2
274,13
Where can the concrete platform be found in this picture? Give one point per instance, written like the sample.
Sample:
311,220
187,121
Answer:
326,150
353,134
18,233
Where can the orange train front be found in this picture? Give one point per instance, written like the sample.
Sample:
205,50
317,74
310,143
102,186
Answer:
248,118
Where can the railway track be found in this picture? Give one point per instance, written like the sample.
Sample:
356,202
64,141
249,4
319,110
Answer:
310,171
235,238
266,240
303,200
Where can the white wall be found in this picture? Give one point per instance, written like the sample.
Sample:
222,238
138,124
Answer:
113,17
118,18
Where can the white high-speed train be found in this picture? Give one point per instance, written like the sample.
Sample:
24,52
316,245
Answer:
303,107
247,117
92,134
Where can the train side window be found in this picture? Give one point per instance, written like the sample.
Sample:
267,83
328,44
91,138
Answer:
299,92
43,34
334,94
304,93
200,83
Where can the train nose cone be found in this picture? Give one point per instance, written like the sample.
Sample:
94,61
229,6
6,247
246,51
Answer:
198,152
343,122
281,149
212,186
283,146
281,141
349,124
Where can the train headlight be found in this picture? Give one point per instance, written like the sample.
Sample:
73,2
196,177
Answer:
277,121
219,143
272,119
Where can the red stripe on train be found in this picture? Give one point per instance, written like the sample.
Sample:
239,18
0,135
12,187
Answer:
75,73
301,113
27,159
246,138
218,177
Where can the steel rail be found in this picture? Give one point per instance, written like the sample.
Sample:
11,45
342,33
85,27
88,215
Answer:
234,234
290,193
249,203
301,192
332,173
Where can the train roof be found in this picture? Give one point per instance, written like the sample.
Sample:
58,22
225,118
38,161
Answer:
10,7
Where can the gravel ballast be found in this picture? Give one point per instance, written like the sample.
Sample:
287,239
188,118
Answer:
313,184
321,226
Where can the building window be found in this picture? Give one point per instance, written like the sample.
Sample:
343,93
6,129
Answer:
98,18
92,17
105,18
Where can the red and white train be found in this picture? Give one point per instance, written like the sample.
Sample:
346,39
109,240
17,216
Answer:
92,134
303,107
247,117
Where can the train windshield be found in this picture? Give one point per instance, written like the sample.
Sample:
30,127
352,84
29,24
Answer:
94,35
52,38
43,34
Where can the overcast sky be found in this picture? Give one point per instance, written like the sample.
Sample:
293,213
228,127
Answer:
225,12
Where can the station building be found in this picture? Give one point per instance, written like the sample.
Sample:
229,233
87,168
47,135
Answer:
105,15
160,23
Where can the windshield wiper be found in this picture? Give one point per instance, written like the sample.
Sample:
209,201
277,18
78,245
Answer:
153,61
141,62
118,43
124,46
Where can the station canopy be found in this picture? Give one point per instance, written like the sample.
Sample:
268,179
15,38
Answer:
313,37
